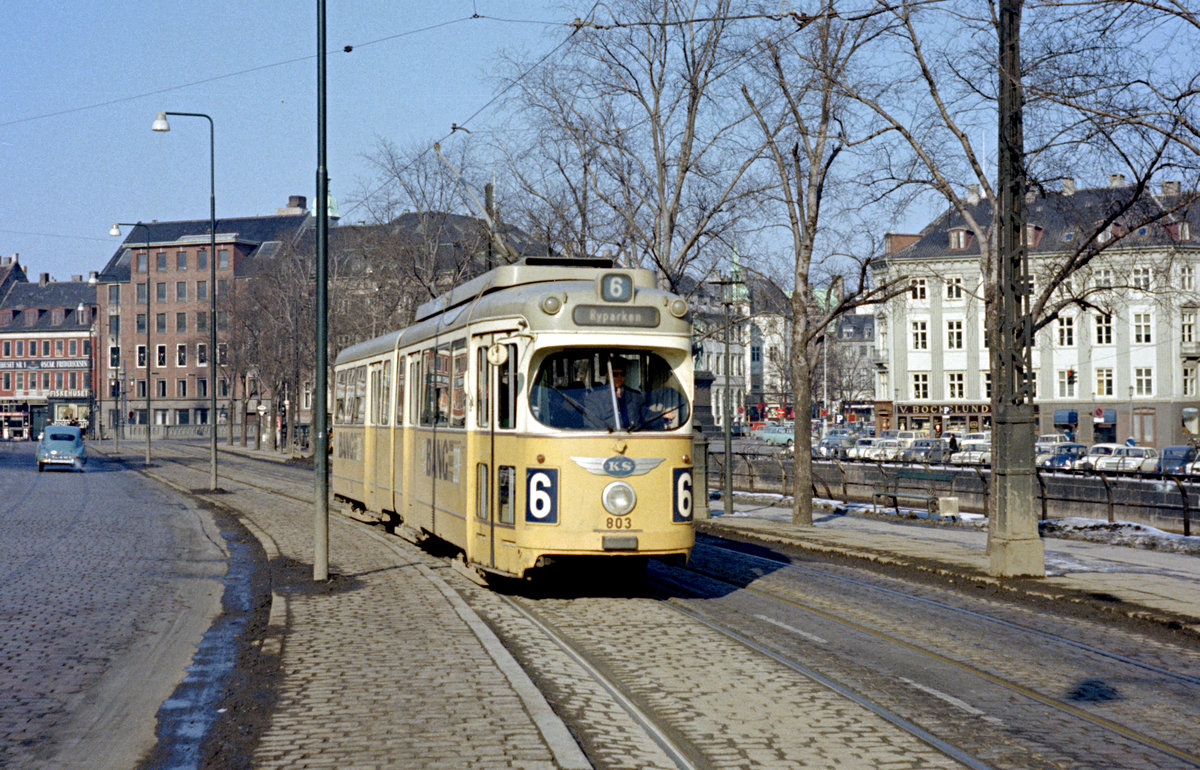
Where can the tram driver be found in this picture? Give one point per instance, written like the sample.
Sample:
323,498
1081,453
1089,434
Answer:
628,401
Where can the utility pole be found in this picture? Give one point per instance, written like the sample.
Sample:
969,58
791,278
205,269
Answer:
1014,545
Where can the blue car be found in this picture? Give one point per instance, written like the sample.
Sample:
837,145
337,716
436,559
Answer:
61,445
1062,455
1176,459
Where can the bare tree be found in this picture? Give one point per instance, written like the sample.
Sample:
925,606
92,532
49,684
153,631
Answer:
652,135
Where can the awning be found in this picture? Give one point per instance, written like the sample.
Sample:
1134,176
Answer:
1102,416
1066,417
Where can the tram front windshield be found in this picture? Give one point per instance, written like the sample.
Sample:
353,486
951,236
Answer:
604,389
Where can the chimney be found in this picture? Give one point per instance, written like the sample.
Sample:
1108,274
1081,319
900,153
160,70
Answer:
297,204
93,277
1170,187
972,193
1069,186
1116,180
76,278
5,261
44,279
893,242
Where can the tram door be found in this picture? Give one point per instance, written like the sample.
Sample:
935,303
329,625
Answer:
495,367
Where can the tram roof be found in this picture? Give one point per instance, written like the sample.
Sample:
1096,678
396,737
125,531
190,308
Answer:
528,270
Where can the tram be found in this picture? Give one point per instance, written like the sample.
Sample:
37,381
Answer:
539,413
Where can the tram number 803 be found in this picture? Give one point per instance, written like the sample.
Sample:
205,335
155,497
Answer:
618,522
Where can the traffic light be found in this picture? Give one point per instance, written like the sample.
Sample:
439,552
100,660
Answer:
1070,376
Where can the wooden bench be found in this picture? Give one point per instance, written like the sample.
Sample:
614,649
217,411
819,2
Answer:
928,498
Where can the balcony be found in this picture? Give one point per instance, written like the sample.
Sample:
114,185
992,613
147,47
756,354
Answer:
1190,350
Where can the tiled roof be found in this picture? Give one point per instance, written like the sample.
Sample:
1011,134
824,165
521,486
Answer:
1064,218
65,295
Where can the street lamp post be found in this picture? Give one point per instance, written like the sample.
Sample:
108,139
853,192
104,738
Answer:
161,124
116,231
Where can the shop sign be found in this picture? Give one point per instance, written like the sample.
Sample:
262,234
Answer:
943,409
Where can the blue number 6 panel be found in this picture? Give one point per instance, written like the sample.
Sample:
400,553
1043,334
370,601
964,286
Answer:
541,495
681,506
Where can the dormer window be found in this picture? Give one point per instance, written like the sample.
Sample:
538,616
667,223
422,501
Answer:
6,317
1033,235
1180,231
56,316
31,317
959,238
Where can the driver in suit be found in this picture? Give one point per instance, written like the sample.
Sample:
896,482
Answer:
629,402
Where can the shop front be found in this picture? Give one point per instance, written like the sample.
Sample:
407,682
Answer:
939,418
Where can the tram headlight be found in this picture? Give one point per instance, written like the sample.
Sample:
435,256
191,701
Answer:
678,308
551,304
618,498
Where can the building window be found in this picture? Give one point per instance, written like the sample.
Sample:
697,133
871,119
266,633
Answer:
72,348
956,386
181,387
201,321
1141,278
954,335
1104,278
1143,381
141,293
958,238
160,357
222,320
6,348
160,261
1066,332
222,353
920,386
223,388
202,387
58,381
181,291
160,323
222,259
114,325
45,348
954,288
1141,328
201,291
141,388
1189,381
202,260
114,357
181,260
222,287
918,289
1104,329
58,348
141,356
142,258
20,347
160,388
1066,383
114,294
1187,278
1187,326
201,354
160,292
920,335
141,322
181,322
56,316
181,355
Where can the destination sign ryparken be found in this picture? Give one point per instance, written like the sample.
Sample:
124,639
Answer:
601,315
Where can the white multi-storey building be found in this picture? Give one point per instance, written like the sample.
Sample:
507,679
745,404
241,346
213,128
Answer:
1120,359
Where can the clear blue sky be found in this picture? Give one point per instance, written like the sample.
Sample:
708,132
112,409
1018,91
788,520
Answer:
82,82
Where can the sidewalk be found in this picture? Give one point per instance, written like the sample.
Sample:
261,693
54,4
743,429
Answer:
1154,585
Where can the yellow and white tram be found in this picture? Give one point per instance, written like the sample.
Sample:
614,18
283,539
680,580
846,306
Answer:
539,412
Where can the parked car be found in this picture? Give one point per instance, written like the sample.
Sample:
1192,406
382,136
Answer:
907,437
861,449
779,435
978,436
1062,456
1095,453
885,449
1047,441
833,447
927,450
1129,458
1176,459
61,445
973,451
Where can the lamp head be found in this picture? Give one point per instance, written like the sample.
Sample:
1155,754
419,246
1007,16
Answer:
115,231
160,123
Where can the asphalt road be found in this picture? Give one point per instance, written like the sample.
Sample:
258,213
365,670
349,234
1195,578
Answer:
107,584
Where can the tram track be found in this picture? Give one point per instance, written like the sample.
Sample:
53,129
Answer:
823,646
661,706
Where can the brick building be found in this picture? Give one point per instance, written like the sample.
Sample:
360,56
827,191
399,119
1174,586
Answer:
153,315
46,345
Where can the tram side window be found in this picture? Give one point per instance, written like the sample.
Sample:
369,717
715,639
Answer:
458,385
385,394
358,414
400,392
435,402
481,492
506,391
376,393
339,398
506,485
483,391
415,379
